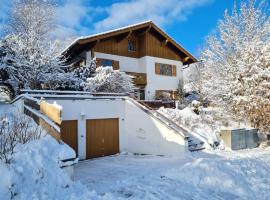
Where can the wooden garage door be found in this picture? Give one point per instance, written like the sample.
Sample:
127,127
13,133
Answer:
69,133
102,137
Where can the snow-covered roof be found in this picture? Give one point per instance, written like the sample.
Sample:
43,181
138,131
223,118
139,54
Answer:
120,30
103,33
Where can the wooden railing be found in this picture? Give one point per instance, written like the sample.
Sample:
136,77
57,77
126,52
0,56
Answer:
39,111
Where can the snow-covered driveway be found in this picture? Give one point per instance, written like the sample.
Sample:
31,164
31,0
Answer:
224,175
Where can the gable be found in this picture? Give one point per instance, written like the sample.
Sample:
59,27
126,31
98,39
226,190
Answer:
149,40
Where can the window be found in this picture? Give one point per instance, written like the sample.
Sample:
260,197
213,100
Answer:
166,69
131,45
106,63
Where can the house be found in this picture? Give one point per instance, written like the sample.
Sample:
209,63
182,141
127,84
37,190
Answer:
142,50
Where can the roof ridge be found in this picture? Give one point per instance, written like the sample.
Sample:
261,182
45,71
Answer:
104,32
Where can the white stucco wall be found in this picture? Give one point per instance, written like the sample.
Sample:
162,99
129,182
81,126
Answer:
146,135
138,131
146,65
160,82
127,64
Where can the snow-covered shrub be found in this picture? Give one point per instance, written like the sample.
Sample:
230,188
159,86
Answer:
236,73
5,93
15,130
62,81
86,71
106,79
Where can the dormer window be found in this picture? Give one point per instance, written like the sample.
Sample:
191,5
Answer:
131,45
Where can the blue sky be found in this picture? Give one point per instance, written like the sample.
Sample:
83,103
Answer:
187,21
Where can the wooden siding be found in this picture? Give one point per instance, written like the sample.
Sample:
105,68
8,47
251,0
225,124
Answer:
156,48
69,133
146,45
50,130
47,127
51,111
102,137
116,47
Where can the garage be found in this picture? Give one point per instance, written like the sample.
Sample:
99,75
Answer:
102,137
69,133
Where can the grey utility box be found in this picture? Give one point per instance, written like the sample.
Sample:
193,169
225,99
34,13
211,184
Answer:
237,139
252,139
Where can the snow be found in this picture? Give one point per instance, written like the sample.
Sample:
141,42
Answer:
65,152
208,175
4,95
36,165
5,182
192,122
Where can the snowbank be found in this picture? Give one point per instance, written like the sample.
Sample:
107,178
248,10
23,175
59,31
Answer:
203,125
35,174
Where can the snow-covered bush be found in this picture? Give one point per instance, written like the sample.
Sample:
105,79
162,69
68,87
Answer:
15,130
62,81
86,71
106,79
236,72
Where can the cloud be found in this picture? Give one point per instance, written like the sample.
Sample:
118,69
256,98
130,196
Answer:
69,16
162,12
74,18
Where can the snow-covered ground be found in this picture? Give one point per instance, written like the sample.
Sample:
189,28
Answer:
216,175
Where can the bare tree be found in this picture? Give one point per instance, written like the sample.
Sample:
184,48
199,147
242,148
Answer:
15,130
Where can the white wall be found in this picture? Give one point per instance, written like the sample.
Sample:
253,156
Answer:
160,82
127,64
146,135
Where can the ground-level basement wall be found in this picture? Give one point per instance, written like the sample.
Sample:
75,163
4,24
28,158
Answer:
138,131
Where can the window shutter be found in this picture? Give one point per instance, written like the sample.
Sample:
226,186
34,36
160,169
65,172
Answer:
174,70
157,68
115,65
98,62
175,95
